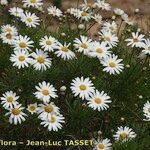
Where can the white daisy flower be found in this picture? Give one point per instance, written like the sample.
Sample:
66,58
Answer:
99,50
45,92
32,3
118,11
41,60
99,101
3,2
146,111
124,134
20,59
146,47
9,29
110,26
53,10
32,108
31,20
108,37
136,40
97,18
16,115
7,37
83,44
9,99
112,64
103,5
53,122
44,110
84,15
48,43
64,52
16,11
22,43
102,144
82,87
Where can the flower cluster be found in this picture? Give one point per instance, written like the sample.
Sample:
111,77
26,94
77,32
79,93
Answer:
43,52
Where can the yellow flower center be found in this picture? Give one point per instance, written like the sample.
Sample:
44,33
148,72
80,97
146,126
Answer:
135,40
16,111
21,58
49,108
107,39
45,92
112,65
9,36
29,19
33,1
65,49
83,45
48,42
52,119
98,101
123,136
22,45
40,60
10,99
99,50
84,14
101,146
149,110
32,108
82,87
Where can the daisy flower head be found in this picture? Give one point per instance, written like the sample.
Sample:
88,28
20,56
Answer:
83,44
124,134
118,11
82,87
137,40
16,114
97,18
110,26
102,144
32,108
53,122
103,5
99,101
146,47
112,64
46,109
54,11
109,38
9,99
48,43
31,20
146,111
99,50
40,60
64,52
7,37
9,29
22,43
20,59
3,2
45,92
16,11
84,15
32,3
